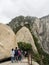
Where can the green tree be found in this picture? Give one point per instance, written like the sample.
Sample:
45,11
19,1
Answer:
26,47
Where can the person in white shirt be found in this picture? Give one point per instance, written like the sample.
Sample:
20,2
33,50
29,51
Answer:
12,55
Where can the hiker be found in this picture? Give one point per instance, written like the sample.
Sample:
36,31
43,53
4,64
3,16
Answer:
19,55
16,54
12,55
25,53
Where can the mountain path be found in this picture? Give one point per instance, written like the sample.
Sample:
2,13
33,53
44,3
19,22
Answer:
22,62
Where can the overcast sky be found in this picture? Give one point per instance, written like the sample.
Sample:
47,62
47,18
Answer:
12,8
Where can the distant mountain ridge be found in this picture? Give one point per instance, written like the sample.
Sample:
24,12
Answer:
37,26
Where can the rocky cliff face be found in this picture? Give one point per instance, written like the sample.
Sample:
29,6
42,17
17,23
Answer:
37,26
24,35
7,41
44,27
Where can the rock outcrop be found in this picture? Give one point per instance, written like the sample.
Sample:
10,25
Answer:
7,41
24,35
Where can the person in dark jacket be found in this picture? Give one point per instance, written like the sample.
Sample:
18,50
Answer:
16,54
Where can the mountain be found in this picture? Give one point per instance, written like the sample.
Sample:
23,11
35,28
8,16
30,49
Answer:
37,26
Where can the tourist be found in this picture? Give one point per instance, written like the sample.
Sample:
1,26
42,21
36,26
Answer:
25,53
12,55
16,54
19,55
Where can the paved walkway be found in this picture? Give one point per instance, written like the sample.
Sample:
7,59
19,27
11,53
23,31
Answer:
9,63
23,62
